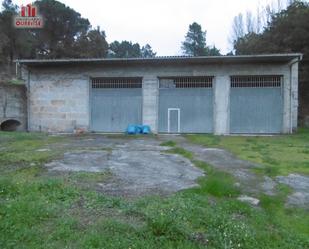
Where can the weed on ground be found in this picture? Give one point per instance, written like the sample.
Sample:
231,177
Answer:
39,210
280,155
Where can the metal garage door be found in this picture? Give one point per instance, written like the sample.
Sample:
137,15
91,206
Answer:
115,103
256,104
186,105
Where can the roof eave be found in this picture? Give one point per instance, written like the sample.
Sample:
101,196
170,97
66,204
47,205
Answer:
168,59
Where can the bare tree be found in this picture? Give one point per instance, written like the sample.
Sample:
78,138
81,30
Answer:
256,23
238,28
259,22
275,7
250,22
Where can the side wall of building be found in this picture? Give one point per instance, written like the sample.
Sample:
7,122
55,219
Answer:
13,104
59,97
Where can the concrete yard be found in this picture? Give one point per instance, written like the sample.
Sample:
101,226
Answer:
137,166
140,166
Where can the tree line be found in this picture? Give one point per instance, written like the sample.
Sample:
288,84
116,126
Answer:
66,34
285,30
278,28
282,29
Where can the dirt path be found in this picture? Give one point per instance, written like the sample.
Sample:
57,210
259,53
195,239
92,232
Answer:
250,183
225,161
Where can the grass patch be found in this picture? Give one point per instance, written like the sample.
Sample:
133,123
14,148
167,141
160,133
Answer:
204,166
90,177
108,149
169,143
205,140
216,183
280,155
270,171
19,149
219,184
16,82
41,211
130,136
274,203
87,180
182,152
289,218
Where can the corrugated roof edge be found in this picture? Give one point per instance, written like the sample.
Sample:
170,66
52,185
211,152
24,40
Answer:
224,58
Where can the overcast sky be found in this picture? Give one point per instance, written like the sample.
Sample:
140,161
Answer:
163,23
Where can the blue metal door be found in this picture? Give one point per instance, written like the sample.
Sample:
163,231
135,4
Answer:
187,107
256,106
112,109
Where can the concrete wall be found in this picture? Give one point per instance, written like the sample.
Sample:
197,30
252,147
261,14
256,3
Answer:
59,96
13,104
150,101
221,104
58,102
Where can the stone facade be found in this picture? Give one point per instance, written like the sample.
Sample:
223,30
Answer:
13,104
58,103
59,96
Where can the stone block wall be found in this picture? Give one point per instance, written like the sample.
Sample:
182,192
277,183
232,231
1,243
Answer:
13,104
58,102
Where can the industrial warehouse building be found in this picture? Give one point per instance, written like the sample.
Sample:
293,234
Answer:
221,94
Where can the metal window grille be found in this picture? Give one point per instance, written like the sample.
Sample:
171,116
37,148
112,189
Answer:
186,82
256,81
116,82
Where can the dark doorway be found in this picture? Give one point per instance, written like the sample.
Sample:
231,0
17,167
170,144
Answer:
10,125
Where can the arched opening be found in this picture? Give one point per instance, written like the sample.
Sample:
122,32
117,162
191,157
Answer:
10,125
